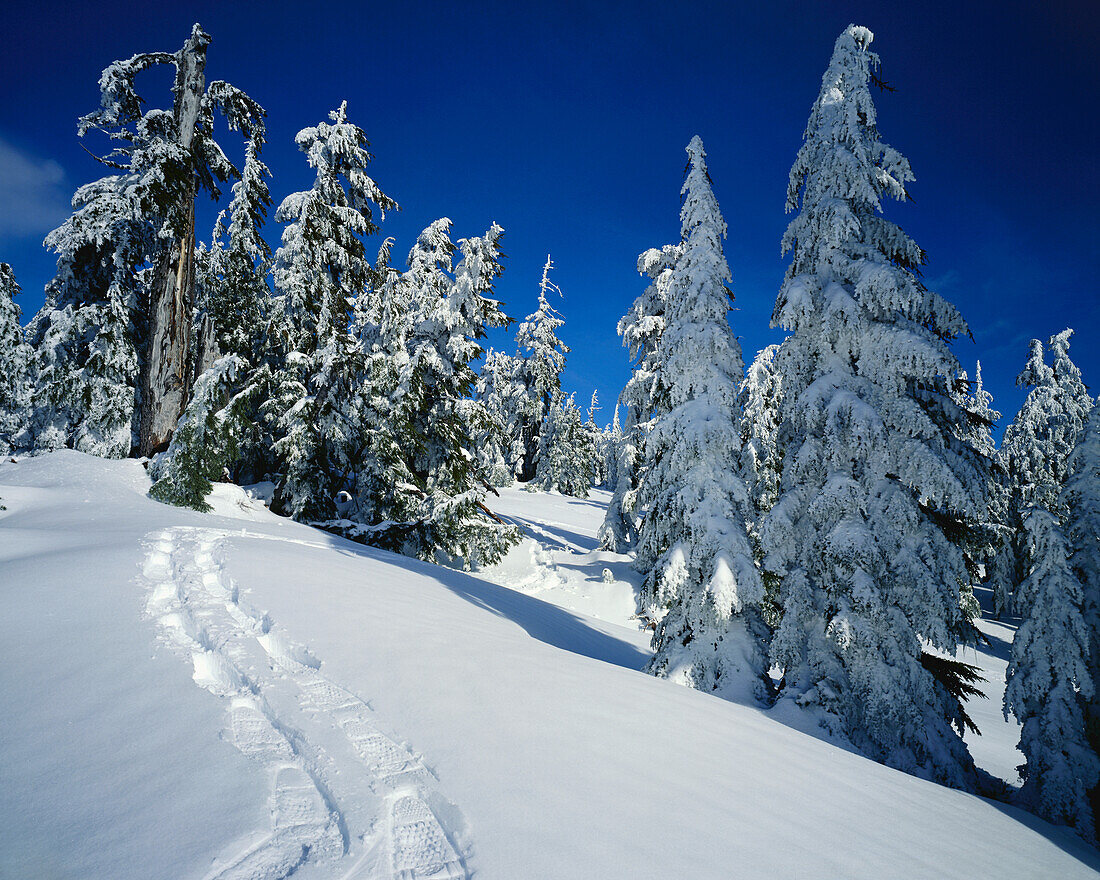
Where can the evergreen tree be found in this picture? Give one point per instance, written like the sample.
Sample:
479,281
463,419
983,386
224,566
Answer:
701,581
205,441
982,416
759,401
640,328
85,361
15,357
1048,681
876,484
122,297
381,488
231,277
451,522
1034,457
539,361
118,313
320,267
497,445
1081,498
595,443
610,442
566,451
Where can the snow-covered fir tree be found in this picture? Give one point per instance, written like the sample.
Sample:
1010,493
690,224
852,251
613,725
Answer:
449,319
539,361
319,269
205,441
231,276
567,450
1034,457
166,158
497,445
1081,497
758,401
15,356
876,483
118,310
595,442
701,584
640,329
1049,681
610,441
982,415
85,363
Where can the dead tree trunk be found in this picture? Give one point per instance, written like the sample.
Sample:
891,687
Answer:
165,374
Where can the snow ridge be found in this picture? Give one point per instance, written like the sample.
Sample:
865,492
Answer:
239,655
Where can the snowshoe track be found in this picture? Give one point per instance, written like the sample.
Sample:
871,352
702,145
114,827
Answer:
239,655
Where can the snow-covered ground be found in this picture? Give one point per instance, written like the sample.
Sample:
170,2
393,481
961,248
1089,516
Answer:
234,695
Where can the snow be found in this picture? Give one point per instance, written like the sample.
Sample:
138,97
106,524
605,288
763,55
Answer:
202,695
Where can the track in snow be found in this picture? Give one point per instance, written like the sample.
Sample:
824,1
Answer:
359,803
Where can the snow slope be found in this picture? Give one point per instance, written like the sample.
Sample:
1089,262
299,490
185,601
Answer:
236,695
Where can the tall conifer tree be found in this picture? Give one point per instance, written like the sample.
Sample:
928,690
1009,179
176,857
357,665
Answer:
701,581
539,361
15,357
876,482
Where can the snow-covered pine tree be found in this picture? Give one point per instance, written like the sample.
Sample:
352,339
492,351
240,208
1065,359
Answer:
320,267
1048,682
640,329
167,157
450,318
758,401
205,441
231,281
595,442
701,584
233,312
1034,457
539,361
975,428
15,356
1081,498
498,445
566,451
85,361
983,416
382,486
876,483
610,441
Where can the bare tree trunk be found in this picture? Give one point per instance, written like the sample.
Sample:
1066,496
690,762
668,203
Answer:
165,384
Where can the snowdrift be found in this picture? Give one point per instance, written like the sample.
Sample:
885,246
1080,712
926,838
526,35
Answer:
235,695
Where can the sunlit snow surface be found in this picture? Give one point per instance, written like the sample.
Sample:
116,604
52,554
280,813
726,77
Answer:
233,694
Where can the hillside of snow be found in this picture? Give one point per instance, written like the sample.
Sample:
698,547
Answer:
234,695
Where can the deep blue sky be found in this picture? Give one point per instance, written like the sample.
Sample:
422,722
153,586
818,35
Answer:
567,125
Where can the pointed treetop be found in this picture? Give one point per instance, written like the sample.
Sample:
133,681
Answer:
695,150
1035,372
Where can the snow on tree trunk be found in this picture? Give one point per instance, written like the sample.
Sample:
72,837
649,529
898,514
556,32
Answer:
165,376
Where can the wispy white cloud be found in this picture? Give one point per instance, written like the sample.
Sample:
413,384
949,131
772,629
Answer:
33,195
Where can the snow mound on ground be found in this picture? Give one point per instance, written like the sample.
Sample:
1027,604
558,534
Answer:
326,669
